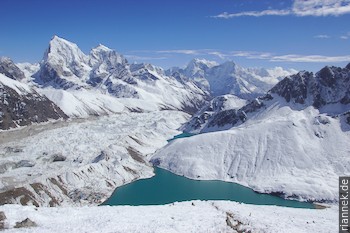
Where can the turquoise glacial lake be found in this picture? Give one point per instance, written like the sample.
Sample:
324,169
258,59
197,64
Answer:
183,135
166,187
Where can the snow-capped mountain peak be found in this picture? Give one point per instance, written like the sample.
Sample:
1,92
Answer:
105,71
61,50
230,78
64,65
102,47
200,63
103,54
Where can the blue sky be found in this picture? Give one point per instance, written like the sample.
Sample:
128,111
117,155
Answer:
261,33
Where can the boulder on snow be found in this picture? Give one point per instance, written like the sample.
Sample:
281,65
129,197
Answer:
58,158
13,150
2,220
25,223
102,156
2,216
25,163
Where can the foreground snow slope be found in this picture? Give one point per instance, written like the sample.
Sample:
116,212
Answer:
74,163
196,216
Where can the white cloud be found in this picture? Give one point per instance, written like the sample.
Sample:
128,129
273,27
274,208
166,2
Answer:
345,37
228,55
321,7
251,54
226,15
299,8
291,57
322,36
219,54
310,58
181,51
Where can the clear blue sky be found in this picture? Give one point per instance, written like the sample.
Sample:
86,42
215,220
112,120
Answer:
263,33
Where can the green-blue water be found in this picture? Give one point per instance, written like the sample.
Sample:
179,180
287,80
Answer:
166,187
183,135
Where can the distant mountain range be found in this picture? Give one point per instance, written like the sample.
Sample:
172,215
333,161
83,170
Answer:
103,82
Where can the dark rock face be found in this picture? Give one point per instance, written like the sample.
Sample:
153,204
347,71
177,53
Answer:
19,110
330,85
326,77
293,87
2,220
9,69
214,114
233,117
51,76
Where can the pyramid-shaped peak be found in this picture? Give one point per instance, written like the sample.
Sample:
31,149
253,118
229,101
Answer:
63,50
56,40
102,47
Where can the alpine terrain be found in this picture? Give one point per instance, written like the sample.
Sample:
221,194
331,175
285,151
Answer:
292,141
76,126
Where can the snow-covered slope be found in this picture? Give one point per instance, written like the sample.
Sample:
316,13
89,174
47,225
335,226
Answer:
196,216
21,105
105,72
230,78
81,162
293,141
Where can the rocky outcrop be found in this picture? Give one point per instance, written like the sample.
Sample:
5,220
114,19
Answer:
224,104
2,220
25,224
328,86
9,69
19,107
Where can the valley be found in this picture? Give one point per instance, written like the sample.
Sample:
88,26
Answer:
78,129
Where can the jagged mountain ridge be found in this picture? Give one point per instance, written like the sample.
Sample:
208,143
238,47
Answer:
230,78
329,86
66,67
